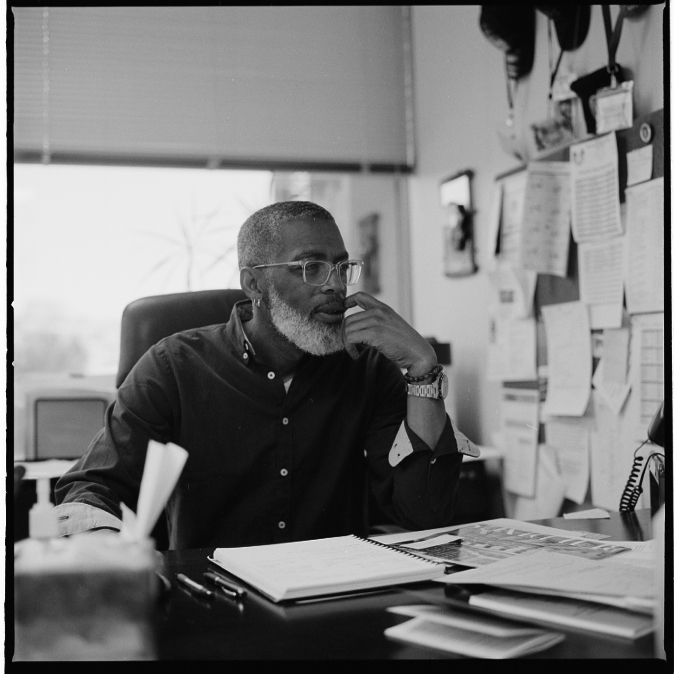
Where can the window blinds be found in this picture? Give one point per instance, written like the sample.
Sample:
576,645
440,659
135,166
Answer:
213,86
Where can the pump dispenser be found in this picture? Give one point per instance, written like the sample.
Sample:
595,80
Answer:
42,522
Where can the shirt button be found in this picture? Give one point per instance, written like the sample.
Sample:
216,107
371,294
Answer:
284,472
285,421
433,461
281,525
270,375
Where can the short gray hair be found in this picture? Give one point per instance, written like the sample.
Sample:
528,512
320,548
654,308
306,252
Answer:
260,236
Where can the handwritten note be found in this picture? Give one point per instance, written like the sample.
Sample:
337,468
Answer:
546,220
645,284
570,439
519,431
595,204
567,330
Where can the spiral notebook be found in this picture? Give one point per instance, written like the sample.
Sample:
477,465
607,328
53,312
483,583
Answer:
324,566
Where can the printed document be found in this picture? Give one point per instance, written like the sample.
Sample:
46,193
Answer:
571,441
613,393
567,330
511,352
546,223
600,272
512,291
595,203
519,430
616,355
611,454
647,365
514,187
645,280
484,543
547,570
550,488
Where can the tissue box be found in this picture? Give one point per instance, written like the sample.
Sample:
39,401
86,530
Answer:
90,597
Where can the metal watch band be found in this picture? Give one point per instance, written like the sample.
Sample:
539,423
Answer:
423,390
437,390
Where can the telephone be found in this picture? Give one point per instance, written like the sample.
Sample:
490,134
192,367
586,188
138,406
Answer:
657,435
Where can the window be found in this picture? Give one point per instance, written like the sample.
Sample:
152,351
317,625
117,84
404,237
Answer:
90,239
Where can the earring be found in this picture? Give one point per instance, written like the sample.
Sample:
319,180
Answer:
257,303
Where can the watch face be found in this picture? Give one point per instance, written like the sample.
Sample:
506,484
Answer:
444,386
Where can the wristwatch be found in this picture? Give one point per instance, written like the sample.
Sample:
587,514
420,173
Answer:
437,389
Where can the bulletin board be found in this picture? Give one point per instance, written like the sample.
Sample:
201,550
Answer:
556,290
553,289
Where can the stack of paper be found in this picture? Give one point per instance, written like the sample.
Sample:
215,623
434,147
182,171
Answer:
556,589
475,636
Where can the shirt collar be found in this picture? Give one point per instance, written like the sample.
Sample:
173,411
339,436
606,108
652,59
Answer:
241,312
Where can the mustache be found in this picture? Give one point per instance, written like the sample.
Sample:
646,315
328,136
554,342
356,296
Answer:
330,307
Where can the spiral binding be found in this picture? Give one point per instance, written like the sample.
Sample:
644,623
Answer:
400,550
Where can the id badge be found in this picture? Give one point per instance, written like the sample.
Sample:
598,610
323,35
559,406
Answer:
612,107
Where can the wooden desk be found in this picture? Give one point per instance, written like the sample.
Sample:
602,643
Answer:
351,628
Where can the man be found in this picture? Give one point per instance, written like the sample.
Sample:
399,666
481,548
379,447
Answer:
288,412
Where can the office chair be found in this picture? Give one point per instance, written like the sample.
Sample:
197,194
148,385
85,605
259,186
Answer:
149,319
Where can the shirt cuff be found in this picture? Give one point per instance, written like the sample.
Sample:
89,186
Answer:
407,441
75,518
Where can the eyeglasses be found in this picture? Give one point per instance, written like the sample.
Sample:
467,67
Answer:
317,272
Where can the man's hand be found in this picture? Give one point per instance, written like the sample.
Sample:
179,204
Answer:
381,327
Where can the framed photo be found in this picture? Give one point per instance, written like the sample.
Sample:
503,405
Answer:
459,245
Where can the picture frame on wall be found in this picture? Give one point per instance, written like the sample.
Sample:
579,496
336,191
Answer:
458,241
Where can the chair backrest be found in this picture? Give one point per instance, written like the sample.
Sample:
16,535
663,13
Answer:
149,319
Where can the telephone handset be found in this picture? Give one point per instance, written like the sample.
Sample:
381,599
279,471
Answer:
657,432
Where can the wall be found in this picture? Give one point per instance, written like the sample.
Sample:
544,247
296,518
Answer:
460,103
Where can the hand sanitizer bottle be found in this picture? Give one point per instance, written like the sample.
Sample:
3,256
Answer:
42,522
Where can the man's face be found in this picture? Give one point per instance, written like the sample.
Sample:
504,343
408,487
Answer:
308,316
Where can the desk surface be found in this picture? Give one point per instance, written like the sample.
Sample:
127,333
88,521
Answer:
350,628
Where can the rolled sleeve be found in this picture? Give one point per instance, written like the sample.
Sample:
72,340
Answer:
75,518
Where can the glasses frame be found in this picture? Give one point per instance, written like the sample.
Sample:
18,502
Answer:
304,263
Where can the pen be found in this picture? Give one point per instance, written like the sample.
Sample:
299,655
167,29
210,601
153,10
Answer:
195,587
229,589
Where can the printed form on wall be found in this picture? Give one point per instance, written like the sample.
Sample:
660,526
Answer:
570,439
513,291
600,272
567,330
511,351
519,433
514,187
611,454
595,202
546,218
647,368
645,284
550,488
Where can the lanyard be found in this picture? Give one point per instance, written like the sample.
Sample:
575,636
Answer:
612,38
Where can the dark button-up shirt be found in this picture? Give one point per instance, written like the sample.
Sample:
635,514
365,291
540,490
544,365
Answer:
265,465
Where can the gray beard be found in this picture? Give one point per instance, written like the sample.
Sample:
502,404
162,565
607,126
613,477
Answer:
305,332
